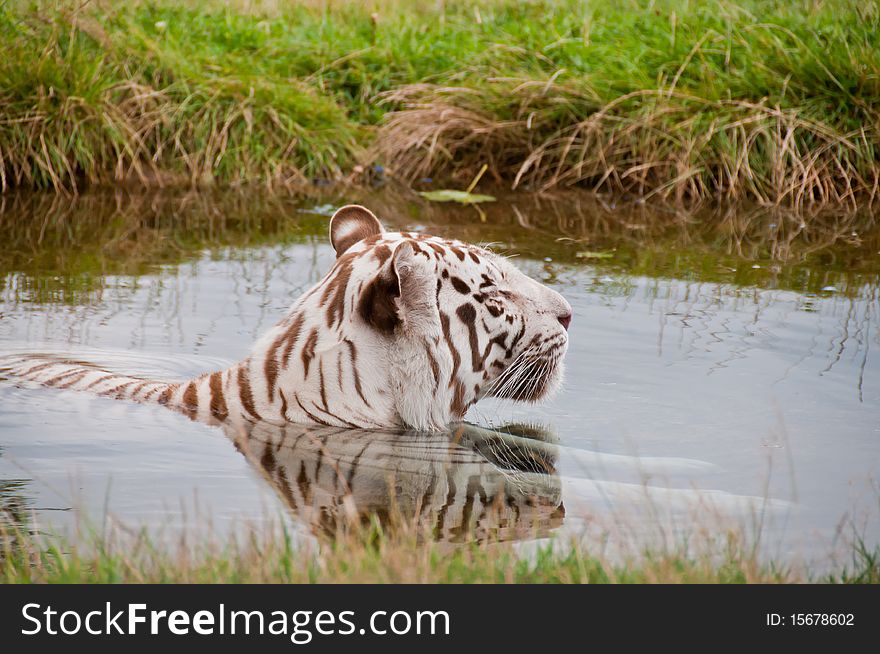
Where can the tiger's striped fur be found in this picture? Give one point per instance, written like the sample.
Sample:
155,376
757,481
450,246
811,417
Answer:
468,483
406,330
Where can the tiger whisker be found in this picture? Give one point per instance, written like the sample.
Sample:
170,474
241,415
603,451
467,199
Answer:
523,376
509,374
531,381
516,378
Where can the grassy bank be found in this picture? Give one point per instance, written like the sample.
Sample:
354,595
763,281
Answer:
378,555
773,101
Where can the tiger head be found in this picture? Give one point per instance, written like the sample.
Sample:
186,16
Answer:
429,326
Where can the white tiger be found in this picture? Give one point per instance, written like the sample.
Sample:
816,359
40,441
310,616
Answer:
406,330
466,483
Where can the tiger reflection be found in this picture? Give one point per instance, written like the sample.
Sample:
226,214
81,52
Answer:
470,483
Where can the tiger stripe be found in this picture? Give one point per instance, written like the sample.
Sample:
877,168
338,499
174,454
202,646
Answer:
165,395
334,292
292,336
323,387
283,404
190,401
75,378
218,402
308,351
435,367
309,414
352,352
137,389
244,391
53,381
118,392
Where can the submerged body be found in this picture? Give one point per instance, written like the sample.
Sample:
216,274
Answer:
463,483
406,330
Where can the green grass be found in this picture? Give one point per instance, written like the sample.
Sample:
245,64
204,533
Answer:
774,101
377,554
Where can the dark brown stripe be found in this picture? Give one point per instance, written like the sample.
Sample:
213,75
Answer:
165,396
304,485
418,249
122,391
99,380
323,389
468,315
191,397
336,287
335,417
117,391
39,367
267,461
382,252
244,391
152,391
283,405
292,337
308,351
270,365
437,248
450,498
76,378
435,368
286,490
456,357
309,414
352,350
137,389
57,378
339,369
218,402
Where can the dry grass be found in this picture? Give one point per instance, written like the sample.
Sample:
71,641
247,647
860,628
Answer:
393,550
658,148
374,554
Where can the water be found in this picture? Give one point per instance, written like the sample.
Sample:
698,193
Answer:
723,372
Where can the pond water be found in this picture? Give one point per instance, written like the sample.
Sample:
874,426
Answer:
723,372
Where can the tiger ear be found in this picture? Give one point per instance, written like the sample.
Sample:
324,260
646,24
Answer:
403,294
350,224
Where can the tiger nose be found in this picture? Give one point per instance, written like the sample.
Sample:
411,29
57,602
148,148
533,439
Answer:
564,320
